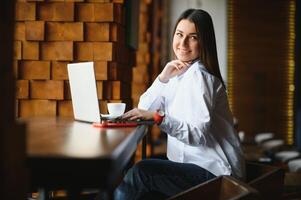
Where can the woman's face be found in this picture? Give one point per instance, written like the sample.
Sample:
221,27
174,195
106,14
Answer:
185,41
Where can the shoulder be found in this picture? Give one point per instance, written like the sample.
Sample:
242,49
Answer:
203,74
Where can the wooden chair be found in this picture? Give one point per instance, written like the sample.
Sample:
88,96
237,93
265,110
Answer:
292,185
219,188
266,179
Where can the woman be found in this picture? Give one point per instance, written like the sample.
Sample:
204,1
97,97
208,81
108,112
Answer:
188,101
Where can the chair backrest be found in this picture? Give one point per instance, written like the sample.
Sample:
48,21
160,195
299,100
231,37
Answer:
219,188
267,180
292,185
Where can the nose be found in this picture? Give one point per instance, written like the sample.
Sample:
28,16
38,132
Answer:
184,41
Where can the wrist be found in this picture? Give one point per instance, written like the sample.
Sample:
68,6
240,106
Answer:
158,116
162,79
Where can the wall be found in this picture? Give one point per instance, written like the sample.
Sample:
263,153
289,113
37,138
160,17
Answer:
51,34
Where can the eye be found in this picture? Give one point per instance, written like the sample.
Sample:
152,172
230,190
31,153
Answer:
193,37
179,34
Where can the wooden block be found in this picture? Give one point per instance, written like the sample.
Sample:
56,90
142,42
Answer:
104,12
57,51
25,11
119,13
59,70
116,90
58,31
22,89
34,70
65,108
118,1
57,11
138,89
64,11
117,33
99,12
33,108
113,71
99,1
97,32
104,51
85,12
17,50
101,70
47,89
74,31
75,0
55,31
67,92
99,86
45,12
103,106
19,31
113,12
84,51
35,30
15,68
140,76
30,50
107,70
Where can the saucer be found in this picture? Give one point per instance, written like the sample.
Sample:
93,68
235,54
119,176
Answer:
108,116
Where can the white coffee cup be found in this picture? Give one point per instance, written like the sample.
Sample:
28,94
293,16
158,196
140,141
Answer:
116,109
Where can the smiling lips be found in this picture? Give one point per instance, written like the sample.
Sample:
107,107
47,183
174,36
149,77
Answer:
184,51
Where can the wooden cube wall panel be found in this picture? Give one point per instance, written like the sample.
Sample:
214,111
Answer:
99,12
67,92
47,89
140,73
60,51
34,70
65,108
30,50
31,108
59,70
17,50
58,31
98,51
19,31
34,30
56,11
22,89
97,31
50,34
25,11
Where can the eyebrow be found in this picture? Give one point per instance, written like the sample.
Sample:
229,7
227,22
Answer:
177,30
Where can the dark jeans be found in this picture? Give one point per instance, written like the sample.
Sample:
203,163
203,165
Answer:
159,179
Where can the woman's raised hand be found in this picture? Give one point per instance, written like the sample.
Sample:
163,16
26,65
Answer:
171,69
136,113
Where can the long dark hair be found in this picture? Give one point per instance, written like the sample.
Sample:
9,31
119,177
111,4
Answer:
206,37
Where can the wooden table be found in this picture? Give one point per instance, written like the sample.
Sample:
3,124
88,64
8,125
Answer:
63,153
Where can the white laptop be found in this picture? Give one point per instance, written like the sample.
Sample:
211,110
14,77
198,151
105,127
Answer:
84,92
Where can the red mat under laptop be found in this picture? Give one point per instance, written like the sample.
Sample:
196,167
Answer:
112,124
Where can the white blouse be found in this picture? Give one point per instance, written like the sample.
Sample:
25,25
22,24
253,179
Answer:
198,121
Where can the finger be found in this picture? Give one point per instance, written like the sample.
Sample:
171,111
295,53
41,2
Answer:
181,64
126,115
134,118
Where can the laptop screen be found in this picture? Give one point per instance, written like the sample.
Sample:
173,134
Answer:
83,91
